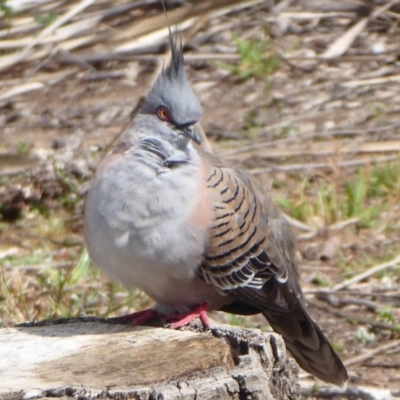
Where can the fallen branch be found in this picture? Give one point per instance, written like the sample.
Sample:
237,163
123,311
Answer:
370,353
336,302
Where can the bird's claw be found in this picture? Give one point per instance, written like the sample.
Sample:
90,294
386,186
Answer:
180,320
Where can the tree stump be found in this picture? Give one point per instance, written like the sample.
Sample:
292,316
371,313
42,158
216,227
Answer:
89,358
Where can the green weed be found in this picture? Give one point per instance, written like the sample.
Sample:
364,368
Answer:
23,148
41,280
321,281
256,59
371,191
70,197
46,19
385,181
6,9
387,315
338,347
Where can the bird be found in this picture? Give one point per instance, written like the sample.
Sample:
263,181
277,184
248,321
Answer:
196,234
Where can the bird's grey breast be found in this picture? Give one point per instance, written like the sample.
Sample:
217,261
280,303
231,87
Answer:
146,204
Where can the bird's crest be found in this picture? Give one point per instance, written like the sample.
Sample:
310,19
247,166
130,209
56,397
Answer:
176,68
171,88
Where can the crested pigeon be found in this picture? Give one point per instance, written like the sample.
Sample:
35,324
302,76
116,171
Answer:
194,233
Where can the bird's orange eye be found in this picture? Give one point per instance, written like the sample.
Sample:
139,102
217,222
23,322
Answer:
163,114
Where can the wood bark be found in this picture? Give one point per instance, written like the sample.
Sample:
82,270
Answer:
89,358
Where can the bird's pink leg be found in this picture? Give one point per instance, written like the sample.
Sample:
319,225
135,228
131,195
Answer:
140,317
180,320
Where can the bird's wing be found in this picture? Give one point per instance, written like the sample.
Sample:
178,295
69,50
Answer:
251,256
250,240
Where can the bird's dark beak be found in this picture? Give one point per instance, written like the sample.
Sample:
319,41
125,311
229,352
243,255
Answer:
191,133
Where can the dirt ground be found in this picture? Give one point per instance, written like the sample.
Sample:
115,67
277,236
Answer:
309,124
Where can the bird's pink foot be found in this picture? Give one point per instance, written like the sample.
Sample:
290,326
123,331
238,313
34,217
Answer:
140,317
180,320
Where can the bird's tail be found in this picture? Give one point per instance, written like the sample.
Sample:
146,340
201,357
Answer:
307,344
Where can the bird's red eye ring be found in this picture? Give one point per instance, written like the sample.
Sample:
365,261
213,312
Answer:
163,114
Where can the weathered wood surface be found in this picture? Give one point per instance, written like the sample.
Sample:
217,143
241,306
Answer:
91,358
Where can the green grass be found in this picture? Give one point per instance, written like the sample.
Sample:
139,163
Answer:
70,197
256,59
63,292
321,281
50,276
46,19
338,347
385,181
23,148
369,192
6,9
387,314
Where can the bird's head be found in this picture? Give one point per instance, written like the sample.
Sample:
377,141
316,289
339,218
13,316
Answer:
172,101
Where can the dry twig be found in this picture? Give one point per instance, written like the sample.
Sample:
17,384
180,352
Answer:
364,275
371,353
